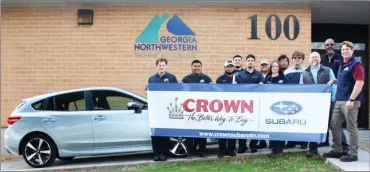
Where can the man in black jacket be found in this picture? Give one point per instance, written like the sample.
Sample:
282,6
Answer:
330,58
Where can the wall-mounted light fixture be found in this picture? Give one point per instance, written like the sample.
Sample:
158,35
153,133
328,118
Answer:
85,16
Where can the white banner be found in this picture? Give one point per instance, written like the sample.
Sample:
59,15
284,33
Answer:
256,115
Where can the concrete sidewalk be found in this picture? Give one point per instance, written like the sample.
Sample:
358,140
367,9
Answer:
363,164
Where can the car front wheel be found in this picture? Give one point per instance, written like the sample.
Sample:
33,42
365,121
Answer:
39,151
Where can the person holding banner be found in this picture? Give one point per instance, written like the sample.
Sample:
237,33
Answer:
196,77
294,76
275,76
160,144
226,146
238,60
349,95
317,74
249,76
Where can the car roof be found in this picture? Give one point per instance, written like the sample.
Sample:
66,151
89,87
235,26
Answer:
50,94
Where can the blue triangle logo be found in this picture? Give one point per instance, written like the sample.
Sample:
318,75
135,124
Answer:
177,27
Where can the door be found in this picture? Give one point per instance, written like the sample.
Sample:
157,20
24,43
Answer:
115,125
358,34
68,121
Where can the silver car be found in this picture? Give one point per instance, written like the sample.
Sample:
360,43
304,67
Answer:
81,122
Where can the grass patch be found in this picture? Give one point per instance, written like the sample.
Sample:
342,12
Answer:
288,162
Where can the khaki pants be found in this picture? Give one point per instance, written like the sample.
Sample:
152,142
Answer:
341,114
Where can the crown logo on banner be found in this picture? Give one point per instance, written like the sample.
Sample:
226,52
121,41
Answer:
176,110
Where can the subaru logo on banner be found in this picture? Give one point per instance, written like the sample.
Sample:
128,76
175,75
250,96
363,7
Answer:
286,108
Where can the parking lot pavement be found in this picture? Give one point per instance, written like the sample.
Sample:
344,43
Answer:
117,160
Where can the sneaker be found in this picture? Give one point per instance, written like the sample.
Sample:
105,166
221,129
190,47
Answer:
348,158
156,158
163,157
333,154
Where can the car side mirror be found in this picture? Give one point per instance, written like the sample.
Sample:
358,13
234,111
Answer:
133,106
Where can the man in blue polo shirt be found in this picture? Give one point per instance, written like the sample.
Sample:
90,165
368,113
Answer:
249,76
196,77
160,144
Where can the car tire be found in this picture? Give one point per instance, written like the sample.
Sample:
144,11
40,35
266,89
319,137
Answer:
38,148
66,158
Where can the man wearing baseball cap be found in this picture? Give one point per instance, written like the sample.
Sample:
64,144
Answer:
226,146
264,67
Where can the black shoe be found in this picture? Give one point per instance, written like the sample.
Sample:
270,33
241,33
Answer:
345,150
348,158
220,155
156,158
201,154
333,154
231,153
275,153
163,157
323,144
242,150
253,150
312,153
303,146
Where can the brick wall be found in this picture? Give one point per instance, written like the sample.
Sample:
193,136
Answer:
44,50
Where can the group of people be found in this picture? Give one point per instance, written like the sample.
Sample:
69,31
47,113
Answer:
343,71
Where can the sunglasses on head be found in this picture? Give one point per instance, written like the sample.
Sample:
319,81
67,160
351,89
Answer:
297,58
329,44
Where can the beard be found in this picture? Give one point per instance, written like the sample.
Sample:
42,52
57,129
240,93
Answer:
229,73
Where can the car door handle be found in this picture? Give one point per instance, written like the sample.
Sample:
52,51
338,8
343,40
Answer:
99,118
48,120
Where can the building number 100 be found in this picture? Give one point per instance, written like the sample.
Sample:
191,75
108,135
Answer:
268,27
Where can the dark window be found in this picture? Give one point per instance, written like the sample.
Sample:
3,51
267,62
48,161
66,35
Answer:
113,100
67,102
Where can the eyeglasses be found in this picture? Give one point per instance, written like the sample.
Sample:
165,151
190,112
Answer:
297,58
329,44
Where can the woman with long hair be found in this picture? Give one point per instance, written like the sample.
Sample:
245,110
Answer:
276,76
